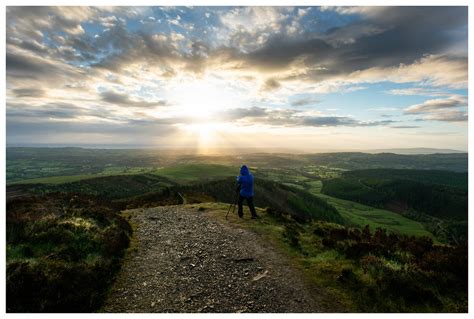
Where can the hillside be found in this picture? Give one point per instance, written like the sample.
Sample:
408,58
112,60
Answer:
433,197
130,191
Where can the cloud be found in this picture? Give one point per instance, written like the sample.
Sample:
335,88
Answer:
448,116
270,85
437,104
404,126
293,118
54,111
303,12
242,113
108,22
434,70
67,19
304,101
417,91
122,99
82,132
443,109
28,92
21,67
375,50
253,19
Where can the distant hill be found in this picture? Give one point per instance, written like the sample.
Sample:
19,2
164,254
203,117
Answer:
457,162
418,150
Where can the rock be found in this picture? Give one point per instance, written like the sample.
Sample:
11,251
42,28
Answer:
260,276
243,309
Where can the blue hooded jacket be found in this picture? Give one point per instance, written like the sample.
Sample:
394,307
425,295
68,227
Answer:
245,180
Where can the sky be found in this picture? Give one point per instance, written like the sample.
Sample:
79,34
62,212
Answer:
306,78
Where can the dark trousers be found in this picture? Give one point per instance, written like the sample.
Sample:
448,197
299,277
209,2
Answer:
249,203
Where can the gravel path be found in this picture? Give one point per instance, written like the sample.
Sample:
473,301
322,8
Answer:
187,262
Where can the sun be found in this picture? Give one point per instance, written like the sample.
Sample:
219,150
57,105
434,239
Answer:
202,103
201,100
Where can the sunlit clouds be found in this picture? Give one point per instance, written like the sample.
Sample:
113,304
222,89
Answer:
313,78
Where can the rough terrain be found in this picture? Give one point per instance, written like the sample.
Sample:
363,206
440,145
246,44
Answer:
184,261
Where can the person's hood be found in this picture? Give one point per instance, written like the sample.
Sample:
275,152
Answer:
244,170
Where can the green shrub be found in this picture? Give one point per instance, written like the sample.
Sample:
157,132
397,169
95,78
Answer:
62,252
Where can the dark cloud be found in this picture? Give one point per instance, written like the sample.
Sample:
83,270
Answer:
20,66
435,105
304,101
28,92
280,51
408,34
291,117
270,85
404,126
327,121
26,112
324,121
242,113
41,131
29,45
448,116
124,100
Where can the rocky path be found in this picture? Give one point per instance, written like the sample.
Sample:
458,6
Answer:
187,262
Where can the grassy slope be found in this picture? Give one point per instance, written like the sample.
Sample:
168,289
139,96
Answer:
114,187
194,172
180,173
361,215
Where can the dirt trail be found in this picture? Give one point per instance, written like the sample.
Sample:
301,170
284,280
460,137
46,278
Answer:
187,262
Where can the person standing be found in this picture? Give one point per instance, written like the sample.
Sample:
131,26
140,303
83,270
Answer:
245,181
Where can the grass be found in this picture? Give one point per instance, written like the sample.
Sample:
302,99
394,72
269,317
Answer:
194,172
361,215
73,178
180,173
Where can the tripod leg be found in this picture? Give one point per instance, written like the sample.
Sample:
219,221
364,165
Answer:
232,205
228,211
